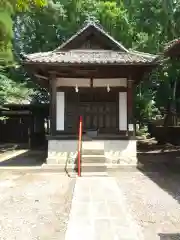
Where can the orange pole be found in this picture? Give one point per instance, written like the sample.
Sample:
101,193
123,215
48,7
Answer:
79,146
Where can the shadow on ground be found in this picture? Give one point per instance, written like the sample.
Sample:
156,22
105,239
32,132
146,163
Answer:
29,158
163,169
166,236
8,147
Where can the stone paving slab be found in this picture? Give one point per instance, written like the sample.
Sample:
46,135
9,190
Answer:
99,212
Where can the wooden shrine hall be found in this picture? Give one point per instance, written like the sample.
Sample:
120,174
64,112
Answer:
91,75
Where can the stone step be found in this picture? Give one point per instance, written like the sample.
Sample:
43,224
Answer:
92,151
93,164
93,145
94,174
93,168
94,159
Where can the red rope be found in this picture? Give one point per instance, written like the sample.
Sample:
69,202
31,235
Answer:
79,146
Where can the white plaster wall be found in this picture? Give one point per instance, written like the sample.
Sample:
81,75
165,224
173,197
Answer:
60,111
97,82
71,82
62,151
113,82
123,111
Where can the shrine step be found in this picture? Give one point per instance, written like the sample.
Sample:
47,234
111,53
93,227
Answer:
92,145
93,152
94,174
93,159
91,167
93,163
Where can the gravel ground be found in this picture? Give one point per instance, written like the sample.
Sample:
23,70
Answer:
154,202
34,205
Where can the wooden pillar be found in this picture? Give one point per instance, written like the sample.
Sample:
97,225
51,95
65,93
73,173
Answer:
52,105
130,121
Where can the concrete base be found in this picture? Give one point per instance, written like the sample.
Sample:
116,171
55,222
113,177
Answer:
121,152
62,151
117,152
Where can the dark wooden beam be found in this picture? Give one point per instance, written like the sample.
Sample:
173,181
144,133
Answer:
91,82
52,91
130,103
92,71
87,89
137,71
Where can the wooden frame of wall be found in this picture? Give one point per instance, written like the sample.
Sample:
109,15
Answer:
64,134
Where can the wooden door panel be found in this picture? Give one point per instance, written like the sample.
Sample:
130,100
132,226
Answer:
99,115
71,112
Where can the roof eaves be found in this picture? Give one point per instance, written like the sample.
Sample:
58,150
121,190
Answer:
172,48
143,54
171,44
93,62
60,57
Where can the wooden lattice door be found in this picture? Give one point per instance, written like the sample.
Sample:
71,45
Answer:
99,115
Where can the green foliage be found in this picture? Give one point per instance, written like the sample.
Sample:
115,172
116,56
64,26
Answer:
143,132
156,23
6,33
8,9
145,108
24,5
11,91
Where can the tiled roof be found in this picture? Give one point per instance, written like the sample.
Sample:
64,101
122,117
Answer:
172,46
90,57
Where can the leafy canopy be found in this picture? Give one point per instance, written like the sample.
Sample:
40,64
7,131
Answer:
9,89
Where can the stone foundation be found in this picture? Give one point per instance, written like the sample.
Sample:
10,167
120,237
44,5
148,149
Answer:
62,151
117,152
120,152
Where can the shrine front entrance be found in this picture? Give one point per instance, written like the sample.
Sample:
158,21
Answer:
99,112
